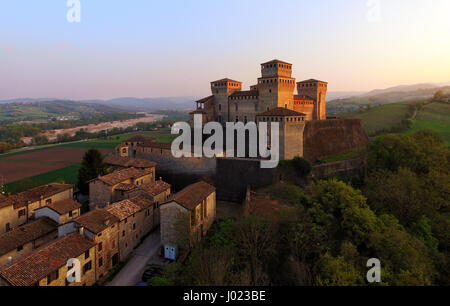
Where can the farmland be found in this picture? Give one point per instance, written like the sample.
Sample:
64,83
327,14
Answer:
41,165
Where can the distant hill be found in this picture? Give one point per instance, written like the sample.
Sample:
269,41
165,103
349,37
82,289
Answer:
381,97
53,110
149,104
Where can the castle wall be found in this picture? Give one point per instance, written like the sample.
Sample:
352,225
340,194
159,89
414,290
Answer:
327,138
246,109
236,174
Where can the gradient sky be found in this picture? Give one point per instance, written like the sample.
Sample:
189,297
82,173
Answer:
145,48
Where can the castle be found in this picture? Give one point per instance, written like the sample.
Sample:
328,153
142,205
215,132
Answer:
305,130
275,89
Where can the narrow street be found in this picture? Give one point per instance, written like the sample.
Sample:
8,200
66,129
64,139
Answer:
131,273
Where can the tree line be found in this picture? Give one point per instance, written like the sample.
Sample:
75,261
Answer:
397,212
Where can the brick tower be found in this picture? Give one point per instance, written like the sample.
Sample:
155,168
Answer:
317,90
221,90
276,86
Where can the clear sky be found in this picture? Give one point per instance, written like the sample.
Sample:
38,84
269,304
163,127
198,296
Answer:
146,48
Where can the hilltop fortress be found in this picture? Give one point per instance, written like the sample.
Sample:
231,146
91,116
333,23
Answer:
305,129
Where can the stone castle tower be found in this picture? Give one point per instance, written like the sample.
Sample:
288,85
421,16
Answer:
275,89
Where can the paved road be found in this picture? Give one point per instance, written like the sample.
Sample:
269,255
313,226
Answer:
132,272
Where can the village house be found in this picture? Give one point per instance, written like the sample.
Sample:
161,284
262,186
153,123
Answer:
131,145
136,221
100,227
190,212
112,187
23,240
61,212
115,163
47,266
16,210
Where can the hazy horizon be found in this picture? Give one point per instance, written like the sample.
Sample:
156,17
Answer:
176,48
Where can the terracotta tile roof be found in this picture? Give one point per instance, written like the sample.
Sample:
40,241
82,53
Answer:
34,195
205,100
125,187
128,162
122,175
25,234
226,80
280,112
276,61
142,201
64,206
97,220
41,262
139,138
192,195
123,209
157,145
155,188
312,80
245,93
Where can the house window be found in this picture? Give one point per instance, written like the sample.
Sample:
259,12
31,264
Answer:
123,234
100,262
52,276
126,220
134,226
49,201
8,227
86,255
21,213
70,214
87,267
100,246
20,248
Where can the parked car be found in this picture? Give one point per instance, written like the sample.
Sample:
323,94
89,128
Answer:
152,271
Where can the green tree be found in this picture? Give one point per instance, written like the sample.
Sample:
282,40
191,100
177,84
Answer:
91,167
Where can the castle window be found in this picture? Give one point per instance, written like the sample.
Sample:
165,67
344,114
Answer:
220,107
237,119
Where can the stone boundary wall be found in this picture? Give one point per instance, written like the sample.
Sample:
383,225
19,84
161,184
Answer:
326,138
340,168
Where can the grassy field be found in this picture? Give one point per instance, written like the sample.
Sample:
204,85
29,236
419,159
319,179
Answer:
162,135
381,117
435,116
68,175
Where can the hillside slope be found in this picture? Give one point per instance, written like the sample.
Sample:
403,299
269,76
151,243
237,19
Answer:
434,116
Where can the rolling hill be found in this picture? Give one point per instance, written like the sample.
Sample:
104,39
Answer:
381,97
53,110
434,116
